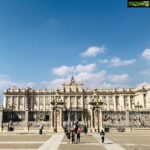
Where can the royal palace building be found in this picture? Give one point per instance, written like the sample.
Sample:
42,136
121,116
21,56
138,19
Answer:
55,109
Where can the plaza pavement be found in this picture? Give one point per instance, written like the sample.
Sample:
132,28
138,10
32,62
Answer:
22,141
58,141
136,140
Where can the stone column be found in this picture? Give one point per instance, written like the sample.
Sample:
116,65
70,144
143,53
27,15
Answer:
108,104
51,118
76,102
26,113
1,118
18,101
38,105
44,102
60,124
32,99
148,100
129,102
114,99
121,101
4,101
127,117
91,114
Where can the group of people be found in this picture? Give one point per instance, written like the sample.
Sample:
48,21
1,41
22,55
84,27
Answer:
73,134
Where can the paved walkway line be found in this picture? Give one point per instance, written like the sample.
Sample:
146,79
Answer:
108,144
21,142
53,142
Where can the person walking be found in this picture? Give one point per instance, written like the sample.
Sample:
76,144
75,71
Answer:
73,137
41,129
78,135
68,135
102,134
85,130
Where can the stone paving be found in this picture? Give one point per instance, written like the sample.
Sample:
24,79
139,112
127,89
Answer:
132,140
87,142
53,142
114,141
108,144
22,141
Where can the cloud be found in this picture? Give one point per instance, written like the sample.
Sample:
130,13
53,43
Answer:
117,62
93,51
119,78
143,84
56,83
86,68
146,54
103,61
145,72
94,79
88,76
65,70
5,82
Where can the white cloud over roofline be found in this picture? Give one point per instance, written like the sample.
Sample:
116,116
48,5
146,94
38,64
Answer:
93,51
65,70
117,62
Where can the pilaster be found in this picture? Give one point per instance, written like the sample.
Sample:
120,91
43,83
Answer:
4,101
114,100
108,103
127,117
61,119
129,102
91,112
121,101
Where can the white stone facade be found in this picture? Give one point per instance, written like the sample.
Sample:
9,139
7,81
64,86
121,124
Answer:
72,102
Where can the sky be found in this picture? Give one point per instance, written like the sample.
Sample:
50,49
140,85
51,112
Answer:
103,44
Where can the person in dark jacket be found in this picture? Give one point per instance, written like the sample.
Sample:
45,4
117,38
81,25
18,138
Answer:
85,130
102,134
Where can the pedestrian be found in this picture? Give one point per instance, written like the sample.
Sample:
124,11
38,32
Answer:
102,134
41,129
85,130
73,137
78,135
68,135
